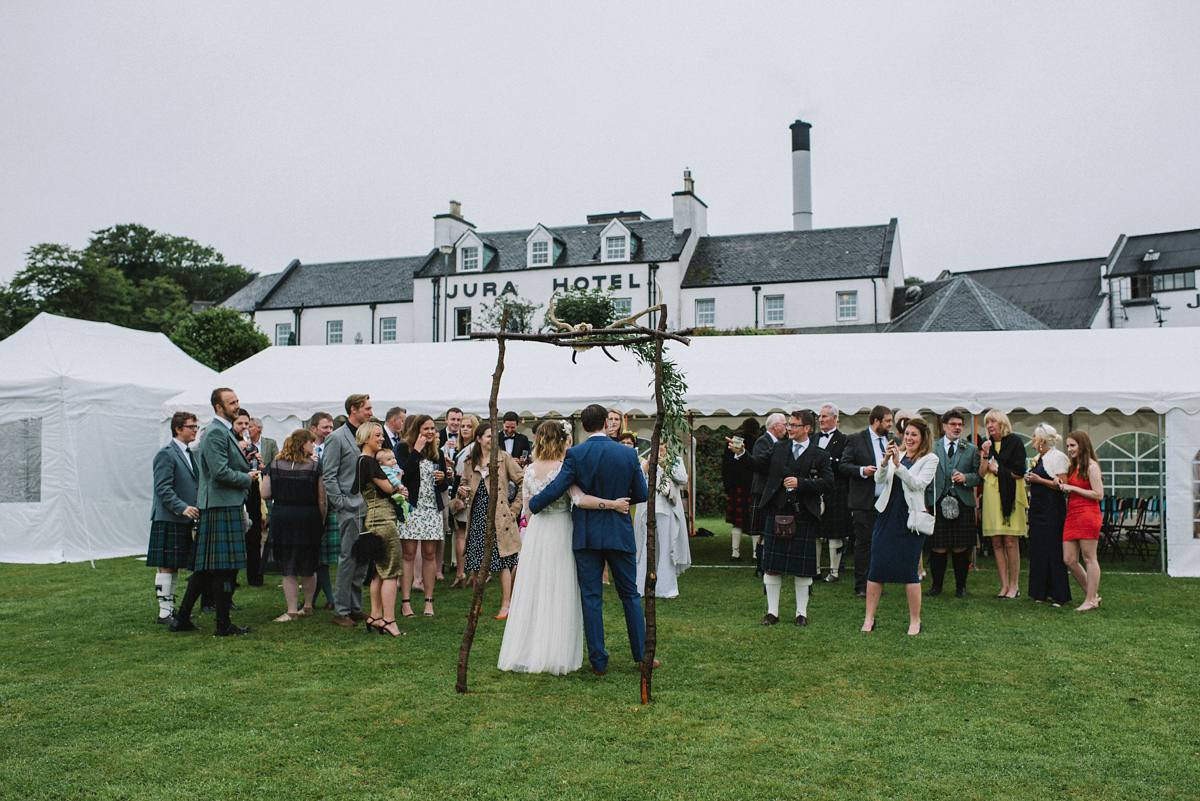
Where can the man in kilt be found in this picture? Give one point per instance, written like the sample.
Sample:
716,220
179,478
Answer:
776,427
737,476
174,512
220,547
957,473
835,520
798,473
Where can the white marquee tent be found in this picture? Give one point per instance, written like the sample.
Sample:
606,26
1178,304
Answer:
79,425
1127,370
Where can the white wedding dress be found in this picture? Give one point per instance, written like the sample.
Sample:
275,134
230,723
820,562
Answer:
544,630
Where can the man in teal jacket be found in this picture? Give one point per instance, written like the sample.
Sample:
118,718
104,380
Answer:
220,547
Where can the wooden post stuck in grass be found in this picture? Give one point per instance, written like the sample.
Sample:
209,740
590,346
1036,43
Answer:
652,520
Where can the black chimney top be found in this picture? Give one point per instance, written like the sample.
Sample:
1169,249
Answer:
800,135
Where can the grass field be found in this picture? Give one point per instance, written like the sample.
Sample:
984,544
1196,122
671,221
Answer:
997,699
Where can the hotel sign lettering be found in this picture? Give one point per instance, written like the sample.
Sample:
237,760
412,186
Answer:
487,289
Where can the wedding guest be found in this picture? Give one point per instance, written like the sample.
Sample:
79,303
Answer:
1081,530
297,522
512,442
629,438
393,429
903,523
798,473
613,423
861,460
466,434
454,417
255,508
1002,465
474,494
174,512
673,553
544,632
737,476
425,476
775,429
321,426
1047,512
836,524
952,490
340,476
376,491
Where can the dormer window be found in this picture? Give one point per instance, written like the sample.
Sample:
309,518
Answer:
542,248
617,243
614,248
468,259
539,253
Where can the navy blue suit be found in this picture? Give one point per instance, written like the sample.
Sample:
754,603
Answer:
603,468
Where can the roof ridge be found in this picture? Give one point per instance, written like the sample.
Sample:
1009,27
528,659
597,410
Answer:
975,287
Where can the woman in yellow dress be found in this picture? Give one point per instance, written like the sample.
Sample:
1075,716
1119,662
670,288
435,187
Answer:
1002,466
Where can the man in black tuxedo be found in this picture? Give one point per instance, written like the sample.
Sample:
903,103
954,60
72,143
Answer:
393,428
835,521
453,422
860,459
798,473
516,444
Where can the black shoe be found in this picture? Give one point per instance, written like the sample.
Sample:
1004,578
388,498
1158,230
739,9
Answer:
933,591
770,620
183,625
829,578
212,610
735,559
801,620
231,631
961,592
233,607
862,594
165,620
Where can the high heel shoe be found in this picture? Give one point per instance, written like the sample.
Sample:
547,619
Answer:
384,628
428,607
371,624
874,623
406,602
459,582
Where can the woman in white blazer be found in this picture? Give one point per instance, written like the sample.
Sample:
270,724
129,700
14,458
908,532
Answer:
903,522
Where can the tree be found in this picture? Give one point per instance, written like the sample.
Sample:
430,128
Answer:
593,306
75,284
142,254
16,309
520,314
219,337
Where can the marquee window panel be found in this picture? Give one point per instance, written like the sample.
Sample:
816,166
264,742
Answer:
21,461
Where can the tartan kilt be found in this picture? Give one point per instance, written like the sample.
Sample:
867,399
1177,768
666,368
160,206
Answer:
737,508
220,540
331,542
835,522
961,532
170,544
794,557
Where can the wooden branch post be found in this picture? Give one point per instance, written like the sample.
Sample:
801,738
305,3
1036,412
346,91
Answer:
489,540
652,520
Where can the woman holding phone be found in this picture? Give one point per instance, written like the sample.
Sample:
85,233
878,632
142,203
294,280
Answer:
425,476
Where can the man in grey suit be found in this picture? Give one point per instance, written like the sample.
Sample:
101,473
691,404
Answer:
339,470
174,512
957,473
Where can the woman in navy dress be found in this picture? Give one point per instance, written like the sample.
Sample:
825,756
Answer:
903,522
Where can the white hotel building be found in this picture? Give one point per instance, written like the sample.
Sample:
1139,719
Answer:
822,280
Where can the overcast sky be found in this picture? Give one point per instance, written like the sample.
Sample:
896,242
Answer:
998,134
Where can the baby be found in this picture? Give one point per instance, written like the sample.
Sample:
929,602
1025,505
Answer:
387,461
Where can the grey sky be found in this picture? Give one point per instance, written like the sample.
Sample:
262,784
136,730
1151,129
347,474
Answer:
998,134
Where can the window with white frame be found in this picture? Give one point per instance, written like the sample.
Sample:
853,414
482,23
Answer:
468,259
614,248
1171,281
283,334
706,312
333,332
539,253
623,306
847,306
387,329
462,322
1130,464
773,309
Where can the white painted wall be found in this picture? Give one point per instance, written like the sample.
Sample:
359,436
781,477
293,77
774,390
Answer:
806,304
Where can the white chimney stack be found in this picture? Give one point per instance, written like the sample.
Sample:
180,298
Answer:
447,228
689,210
801,177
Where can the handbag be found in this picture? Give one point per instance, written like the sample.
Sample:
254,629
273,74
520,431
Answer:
785,526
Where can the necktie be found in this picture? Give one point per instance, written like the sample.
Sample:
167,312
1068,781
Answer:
950,453
882,449
192,462
796,450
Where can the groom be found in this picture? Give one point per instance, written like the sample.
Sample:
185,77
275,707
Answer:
604,468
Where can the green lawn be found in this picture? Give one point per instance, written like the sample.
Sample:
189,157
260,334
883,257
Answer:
998,699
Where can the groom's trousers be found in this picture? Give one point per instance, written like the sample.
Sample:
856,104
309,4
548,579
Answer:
622,569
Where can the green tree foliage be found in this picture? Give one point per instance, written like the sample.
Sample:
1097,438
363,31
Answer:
593,306
219,337
128,274
710,449
520,314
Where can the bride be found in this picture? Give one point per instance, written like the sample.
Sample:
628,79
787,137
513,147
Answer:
544,631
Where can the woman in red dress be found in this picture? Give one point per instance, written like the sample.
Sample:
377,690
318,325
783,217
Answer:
1081,531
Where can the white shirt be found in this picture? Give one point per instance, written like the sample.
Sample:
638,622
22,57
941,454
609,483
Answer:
183,448
875,442
823,440
946,445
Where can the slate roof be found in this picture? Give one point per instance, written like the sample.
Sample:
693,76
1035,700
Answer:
346,283
785,256
960,303
1179,251
1062,294
251,292
581,246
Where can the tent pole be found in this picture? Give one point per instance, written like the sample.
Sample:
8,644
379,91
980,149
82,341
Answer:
1162,496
